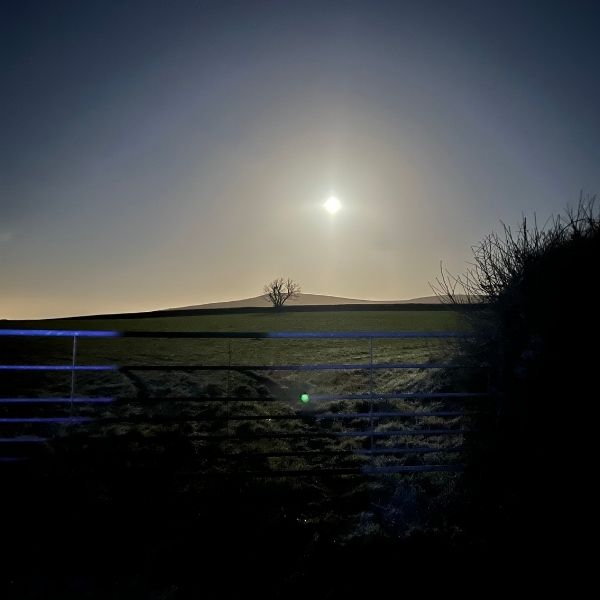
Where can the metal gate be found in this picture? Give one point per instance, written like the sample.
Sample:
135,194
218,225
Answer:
286,431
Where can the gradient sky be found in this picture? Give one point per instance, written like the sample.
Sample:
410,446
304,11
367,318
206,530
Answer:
172,152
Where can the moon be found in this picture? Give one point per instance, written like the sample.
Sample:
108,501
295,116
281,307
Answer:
332,205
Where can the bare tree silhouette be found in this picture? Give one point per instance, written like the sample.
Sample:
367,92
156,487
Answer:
280,290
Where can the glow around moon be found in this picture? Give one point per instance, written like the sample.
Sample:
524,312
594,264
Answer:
332,205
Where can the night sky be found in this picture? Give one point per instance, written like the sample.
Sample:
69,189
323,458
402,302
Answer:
172,152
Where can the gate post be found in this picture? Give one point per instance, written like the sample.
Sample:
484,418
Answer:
73,363
371,387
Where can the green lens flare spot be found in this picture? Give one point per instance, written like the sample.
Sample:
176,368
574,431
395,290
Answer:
305,398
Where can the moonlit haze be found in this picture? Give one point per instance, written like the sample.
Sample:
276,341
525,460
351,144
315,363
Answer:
161,153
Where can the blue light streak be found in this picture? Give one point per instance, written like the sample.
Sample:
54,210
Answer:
56,333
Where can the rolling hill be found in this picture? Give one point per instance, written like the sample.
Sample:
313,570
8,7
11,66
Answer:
307,300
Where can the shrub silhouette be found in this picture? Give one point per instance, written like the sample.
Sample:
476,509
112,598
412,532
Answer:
537,332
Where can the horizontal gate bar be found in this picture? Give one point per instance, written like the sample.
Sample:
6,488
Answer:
413,469
96,400
297,416
352,471
222,399
348,452
313,367
14,420
23,439
357,415
257,335
225,399
427,450
398,395
58,368
261,335
335,434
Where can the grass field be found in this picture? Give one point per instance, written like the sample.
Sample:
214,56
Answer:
393,320
236,352
151,480
285,387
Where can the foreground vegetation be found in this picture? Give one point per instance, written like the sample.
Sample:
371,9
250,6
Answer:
537,332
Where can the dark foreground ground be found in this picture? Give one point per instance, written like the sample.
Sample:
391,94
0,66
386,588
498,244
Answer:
100,527
134,517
